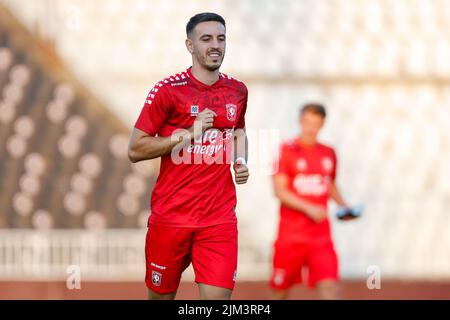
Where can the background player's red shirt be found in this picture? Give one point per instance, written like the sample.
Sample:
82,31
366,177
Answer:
199,192
309,169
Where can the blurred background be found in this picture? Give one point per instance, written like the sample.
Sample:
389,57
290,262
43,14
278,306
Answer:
73,79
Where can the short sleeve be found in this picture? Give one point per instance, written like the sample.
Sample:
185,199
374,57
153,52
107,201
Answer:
334,158
241,120
155,111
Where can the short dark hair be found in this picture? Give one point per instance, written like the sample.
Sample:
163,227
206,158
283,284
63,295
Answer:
316,108
202,17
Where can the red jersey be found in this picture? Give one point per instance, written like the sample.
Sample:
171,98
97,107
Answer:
310,170
196,191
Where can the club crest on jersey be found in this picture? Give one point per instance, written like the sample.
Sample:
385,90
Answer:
194,110
156,278
231,111
301,164
327,164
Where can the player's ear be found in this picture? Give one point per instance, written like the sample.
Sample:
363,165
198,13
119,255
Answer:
189,45
322,123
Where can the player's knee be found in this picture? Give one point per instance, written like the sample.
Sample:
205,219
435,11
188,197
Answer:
216,295
280,294
156,296
208,292
328,290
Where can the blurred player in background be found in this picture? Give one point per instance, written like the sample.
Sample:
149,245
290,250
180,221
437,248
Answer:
193,203
304,182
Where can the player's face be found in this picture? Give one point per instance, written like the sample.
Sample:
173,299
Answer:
207,44
311,123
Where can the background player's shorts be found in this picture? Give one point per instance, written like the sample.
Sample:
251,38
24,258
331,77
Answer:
212,251
290,259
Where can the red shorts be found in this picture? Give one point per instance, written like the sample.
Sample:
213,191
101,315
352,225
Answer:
212,251
319,261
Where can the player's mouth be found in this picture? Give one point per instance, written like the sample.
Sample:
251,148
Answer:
214,55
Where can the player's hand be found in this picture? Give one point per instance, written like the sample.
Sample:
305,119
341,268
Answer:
241,173
317,213
203,122
346,213
348,218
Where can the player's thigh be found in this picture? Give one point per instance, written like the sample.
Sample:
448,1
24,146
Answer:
214,255
322,264
288,260
167,255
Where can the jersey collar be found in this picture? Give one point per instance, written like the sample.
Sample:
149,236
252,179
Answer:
201,84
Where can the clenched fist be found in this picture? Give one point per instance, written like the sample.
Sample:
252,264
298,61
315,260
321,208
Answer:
203,122
241,173
317,213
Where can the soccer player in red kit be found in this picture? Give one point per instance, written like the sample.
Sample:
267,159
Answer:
193,203
303,183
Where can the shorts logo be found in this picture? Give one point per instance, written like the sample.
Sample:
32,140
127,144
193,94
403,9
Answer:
156,278
234,276
278,277
194,110
231,111
157,266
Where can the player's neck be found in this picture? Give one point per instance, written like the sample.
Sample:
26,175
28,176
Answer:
205,76
307,141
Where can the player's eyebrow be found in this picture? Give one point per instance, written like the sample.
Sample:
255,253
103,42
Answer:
222,35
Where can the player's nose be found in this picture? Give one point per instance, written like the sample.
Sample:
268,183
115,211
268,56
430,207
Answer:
215,44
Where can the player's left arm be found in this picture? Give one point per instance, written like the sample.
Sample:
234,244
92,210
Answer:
241,172
336,195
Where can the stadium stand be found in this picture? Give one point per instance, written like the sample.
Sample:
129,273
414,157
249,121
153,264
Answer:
64,155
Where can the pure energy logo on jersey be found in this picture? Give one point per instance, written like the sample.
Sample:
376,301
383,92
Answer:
213,146
211,143
311,184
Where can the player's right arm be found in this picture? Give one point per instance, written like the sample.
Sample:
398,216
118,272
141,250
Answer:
144,146
291,200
